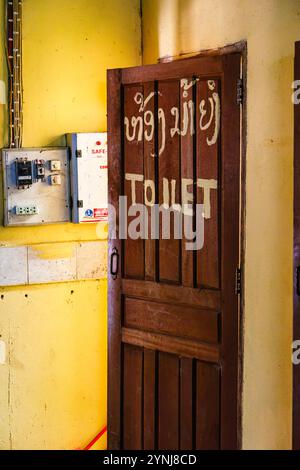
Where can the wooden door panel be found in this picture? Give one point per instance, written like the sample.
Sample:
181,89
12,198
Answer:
174,139
172,344
210,299
202,325
170,402
173,263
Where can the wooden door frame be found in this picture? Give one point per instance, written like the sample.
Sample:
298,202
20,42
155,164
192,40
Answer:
296,298
115,184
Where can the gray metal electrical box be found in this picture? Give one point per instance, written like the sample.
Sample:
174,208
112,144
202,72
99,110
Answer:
36,186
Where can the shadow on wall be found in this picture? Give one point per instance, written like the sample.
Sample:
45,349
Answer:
168,30
169,19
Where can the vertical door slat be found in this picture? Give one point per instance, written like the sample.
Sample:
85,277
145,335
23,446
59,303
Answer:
168,402
133,165
132,397
187,174
207,407
207,168
169,174
186,404
149,174
149,399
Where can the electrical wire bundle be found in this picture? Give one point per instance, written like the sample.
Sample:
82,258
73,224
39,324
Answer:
13,22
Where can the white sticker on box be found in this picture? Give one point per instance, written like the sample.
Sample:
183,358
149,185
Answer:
92,177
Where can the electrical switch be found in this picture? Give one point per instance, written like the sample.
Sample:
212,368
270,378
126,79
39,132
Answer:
55,165
23,172
55,180
40,169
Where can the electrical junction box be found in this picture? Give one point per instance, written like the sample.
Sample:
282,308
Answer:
36,186
89,176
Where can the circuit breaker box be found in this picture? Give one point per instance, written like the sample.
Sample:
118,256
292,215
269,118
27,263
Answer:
36,186
89,176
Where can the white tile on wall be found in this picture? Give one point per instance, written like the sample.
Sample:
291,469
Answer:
13,266
92,260
51,262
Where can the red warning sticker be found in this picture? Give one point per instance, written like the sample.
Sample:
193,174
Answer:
101,214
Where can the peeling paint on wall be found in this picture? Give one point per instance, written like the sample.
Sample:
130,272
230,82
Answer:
2,92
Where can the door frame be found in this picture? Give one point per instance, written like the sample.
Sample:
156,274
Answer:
113,303
296,256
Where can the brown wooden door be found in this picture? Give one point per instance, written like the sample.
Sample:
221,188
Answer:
173,136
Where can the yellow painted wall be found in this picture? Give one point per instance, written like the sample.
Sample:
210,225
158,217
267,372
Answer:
56,365
270,27
53,387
